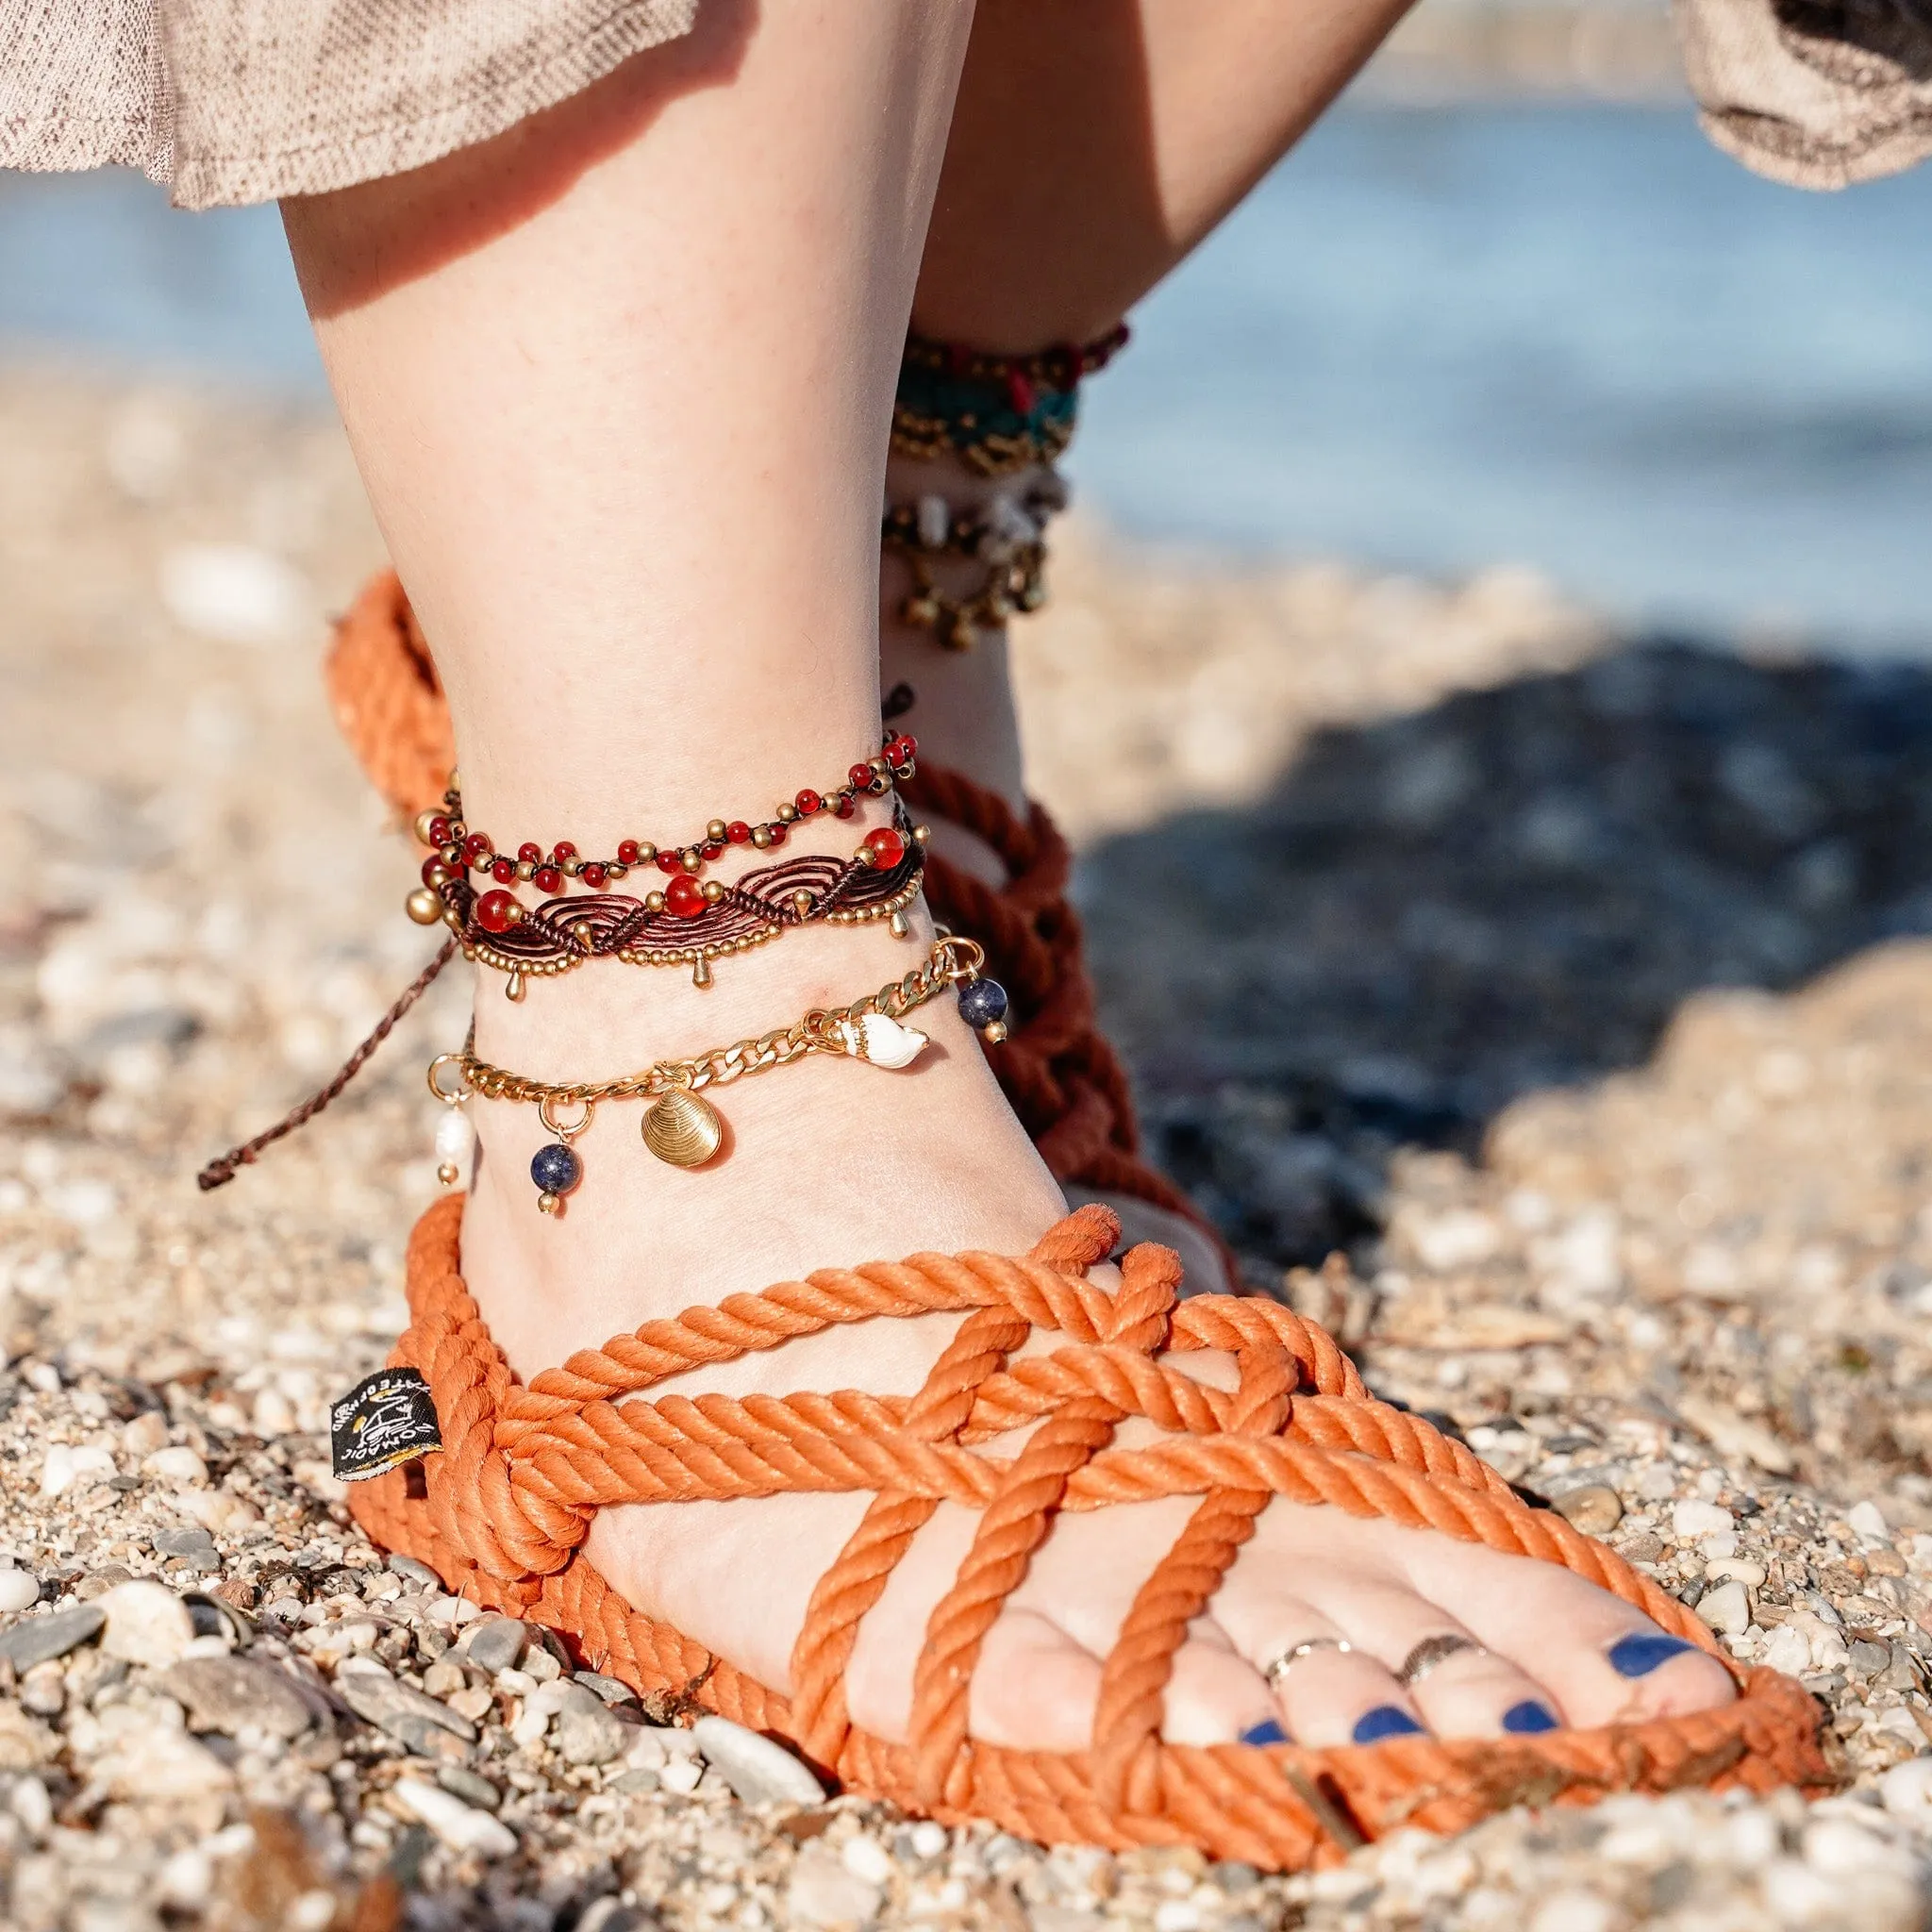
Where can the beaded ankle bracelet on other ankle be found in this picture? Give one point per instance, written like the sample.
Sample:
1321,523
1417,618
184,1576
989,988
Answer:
682,1127
1006,534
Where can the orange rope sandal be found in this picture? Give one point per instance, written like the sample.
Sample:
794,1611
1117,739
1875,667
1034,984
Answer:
501,1511
1062,1078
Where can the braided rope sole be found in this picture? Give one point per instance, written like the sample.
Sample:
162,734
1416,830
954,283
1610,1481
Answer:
502,1511
1057,1069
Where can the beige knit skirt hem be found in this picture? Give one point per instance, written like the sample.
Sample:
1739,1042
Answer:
231,101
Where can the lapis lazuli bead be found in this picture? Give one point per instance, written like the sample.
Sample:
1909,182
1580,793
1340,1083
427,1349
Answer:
982,1003
556,1169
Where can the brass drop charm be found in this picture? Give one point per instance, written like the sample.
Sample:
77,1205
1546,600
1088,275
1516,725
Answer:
683,1129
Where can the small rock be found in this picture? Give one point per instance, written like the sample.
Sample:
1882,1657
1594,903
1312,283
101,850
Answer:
757,1770
146,1433
1726,1609
147,1623
62,1467
1868,1520
495,1643
587,1731
610,1689
178,1464
1787,1650
684,1774
1691,1519
19,1590
218,1511
467,1786
823,1893
1905,1789
608,1914
163,1765
421,1575
1736,1569
1641,1547
40,1638
929,1839
1595,1509
235,1694
1868,1659
375,1696
460,1826
865,1857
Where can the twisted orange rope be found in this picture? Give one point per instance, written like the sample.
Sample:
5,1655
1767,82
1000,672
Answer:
503,1511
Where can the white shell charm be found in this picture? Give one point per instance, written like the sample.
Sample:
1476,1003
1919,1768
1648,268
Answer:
455,1146
882,1041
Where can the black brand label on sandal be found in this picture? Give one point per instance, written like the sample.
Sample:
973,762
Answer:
387,1418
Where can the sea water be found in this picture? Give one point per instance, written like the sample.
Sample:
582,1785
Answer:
1435,340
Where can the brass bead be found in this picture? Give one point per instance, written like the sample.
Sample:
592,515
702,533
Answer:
449,1173
788,813
762,837
646,853
693,859
714,890
654,902
424,907
424,820
715,831
527,869
995,1033
548,1204
616,868
920,834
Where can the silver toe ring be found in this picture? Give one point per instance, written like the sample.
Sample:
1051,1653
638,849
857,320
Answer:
1432,1652
1277,1670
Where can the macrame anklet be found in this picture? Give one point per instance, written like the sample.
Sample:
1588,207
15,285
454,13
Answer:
995,413
682,1127
1007,535
454,849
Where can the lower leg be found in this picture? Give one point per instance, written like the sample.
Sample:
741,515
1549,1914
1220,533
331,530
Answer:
626,449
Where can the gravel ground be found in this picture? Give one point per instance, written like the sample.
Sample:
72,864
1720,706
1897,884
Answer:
1565,989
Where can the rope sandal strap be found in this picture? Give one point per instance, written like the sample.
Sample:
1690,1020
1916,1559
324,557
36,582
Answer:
503,1511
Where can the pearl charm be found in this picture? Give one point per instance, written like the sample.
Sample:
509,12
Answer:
456,1145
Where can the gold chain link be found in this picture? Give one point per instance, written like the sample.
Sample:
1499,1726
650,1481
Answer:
952,960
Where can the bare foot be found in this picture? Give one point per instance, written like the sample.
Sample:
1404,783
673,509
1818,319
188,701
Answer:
832,1161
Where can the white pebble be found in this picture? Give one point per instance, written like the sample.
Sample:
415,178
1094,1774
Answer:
682,1775
1725,1543
146,1433
31,1805
178,1464
1839,1848
460,1826
866,1859
1575,1911
1736,1569
822,1893
147,1623
928,1839
758,1771
1868,1520
1726,1609
1905,1789
1691,1519
64,1466
1787,1650
18,1589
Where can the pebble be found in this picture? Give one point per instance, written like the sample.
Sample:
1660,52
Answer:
399,1708
178,1464
588,1730
467,1786
1595,1509
823,1893
1690,1519
1868,1520
495,1643
1726,1609
410,1571
161,1764
1905,1789
62,1467
613,1690
1736,1568
236,1693
147,1623
758,1771
40,1638
1789,1650
460,1826
19,1590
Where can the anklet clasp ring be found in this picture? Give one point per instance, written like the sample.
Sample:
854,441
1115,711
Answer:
546,1112
1277,1670
449,1096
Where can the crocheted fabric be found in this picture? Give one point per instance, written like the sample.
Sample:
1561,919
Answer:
1063,1079
501,1514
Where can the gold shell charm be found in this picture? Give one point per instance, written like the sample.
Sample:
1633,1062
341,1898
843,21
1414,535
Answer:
683,1129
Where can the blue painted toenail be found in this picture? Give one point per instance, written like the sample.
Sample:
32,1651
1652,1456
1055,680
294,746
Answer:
1636,1656
1385,1720
1529,1716
1266,1732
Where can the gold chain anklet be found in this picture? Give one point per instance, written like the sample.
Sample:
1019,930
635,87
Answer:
682,1127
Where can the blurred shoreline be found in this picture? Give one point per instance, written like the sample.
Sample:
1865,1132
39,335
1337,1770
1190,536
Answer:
1493,50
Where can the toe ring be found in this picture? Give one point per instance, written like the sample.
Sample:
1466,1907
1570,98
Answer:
1431,1652
1277,1672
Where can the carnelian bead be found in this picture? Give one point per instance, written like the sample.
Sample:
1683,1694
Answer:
563,849
529,854
628,851
434,870
886,846
497,912
684,898
808,802
737,832
712,848
777,829
1019,393
548,879
845,807
438,831
859,775
477,845
593,875
503,870
670,863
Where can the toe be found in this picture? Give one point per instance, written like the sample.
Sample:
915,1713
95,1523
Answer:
1600,1660
1033,1687
1327,1689
1215,1696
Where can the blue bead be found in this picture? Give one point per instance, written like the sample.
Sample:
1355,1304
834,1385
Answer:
1637,1655
1529,1717
1385,1720
982,1002
1266,1732
556,1169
